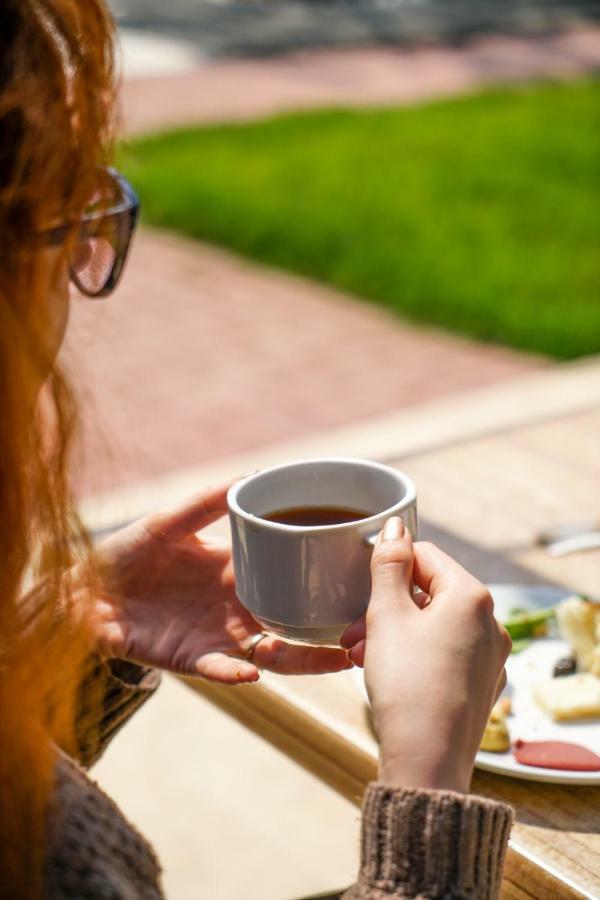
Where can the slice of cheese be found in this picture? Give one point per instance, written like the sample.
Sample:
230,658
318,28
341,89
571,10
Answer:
579,624
569,697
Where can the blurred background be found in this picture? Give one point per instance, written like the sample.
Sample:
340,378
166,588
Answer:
350,208
436,164
261,27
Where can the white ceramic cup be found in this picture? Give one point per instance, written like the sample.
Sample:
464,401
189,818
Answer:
307,583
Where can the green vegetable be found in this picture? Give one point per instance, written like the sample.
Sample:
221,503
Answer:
520,644
516,611
527,624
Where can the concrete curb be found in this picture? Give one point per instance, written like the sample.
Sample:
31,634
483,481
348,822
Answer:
564,389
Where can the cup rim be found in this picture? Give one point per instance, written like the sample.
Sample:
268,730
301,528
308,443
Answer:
234,506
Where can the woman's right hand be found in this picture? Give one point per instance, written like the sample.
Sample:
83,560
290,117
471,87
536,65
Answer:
433,671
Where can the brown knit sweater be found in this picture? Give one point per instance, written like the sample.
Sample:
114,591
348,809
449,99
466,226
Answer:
416,844
93,851
423,844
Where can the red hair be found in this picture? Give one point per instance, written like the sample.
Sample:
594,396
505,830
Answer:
56,101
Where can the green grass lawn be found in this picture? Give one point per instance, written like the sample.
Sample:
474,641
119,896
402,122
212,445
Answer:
480,215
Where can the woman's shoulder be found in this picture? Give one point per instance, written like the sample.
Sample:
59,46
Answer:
92,850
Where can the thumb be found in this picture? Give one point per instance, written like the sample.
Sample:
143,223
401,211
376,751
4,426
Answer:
391,569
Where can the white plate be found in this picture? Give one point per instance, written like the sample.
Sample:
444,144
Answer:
523,669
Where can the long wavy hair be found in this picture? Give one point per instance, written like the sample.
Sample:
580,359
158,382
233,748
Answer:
56,106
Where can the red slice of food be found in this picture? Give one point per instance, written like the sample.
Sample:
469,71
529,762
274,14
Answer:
556,755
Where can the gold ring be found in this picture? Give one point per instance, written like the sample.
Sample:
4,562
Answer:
253,644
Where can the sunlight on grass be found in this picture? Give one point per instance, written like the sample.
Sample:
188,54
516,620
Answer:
479,215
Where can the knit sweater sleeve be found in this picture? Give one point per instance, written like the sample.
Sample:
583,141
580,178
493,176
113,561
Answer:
109,694
422,844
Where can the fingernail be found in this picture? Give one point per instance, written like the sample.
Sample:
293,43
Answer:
393,529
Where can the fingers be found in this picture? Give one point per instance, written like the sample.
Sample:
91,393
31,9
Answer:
392,570
274,655
299,659
197,513
357,653
354,633
435,572
225,669
391,585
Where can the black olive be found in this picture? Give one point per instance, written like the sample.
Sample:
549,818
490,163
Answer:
565,666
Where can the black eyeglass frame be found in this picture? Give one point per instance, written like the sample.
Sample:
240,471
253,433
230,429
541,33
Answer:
123,217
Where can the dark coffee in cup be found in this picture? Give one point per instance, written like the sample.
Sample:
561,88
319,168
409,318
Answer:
311,516
303,536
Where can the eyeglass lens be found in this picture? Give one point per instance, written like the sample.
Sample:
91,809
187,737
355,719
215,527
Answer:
97,258
93,262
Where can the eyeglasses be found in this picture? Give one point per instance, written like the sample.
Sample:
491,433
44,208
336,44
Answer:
105,234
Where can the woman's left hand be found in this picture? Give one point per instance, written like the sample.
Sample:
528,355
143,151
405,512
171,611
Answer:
168,600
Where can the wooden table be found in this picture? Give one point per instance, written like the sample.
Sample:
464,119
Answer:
483,500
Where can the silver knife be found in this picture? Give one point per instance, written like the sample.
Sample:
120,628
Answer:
561,532
587,540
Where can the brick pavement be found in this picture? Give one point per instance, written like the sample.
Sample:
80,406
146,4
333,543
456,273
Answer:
245,89
200,355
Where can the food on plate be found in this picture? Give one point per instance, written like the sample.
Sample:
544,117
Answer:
496,738
505,705
520,644
569,697
556,755
579,624
523,624
566,665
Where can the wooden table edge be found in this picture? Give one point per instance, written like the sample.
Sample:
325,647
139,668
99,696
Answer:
269,712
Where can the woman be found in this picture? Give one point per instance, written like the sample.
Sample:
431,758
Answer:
80,649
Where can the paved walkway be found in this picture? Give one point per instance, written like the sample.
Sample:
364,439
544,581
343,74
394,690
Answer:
247,89
201,355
